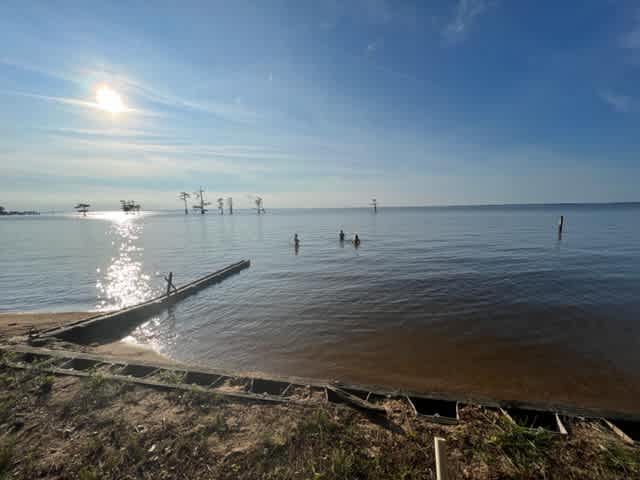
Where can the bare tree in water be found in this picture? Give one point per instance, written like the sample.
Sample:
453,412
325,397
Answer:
259,206
82,208
220,202
200,196
184,196
129,206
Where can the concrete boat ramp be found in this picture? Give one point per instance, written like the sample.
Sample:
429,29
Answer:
106,327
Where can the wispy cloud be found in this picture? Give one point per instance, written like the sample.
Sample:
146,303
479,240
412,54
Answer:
231,110
74,102
617,101
373,47
40,70
104,132
178,149
631,38
465,13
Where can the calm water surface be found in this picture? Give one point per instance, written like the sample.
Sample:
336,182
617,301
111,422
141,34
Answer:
480,299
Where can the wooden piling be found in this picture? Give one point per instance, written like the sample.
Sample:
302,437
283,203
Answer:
440,446
560,225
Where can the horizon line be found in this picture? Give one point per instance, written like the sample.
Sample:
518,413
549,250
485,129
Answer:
478,205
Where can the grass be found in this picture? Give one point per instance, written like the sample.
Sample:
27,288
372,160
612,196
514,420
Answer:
527,450
97,391
622,459
96,383
44,384
343,463
88,473
318,424
203,401
171,377
7,406
218,424
6,458
325,447
147,433
7,358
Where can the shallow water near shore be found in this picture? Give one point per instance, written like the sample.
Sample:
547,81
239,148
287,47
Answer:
470,300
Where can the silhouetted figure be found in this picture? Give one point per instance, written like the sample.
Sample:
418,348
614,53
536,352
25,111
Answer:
296,243
356,241
341,236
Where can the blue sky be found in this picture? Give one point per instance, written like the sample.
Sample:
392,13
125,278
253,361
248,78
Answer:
323,103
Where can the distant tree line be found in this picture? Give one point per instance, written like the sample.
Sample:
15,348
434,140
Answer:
4,211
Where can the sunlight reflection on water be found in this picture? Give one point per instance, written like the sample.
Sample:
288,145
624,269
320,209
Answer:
123,283
159,333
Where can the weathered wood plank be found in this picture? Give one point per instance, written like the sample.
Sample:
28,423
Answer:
561,409
355,401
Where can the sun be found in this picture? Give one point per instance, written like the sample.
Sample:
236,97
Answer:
108,99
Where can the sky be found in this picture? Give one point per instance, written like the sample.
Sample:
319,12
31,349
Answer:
319,103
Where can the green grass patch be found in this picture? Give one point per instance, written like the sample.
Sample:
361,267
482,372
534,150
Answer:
171,377
44,384
6,457
88,473
528,450
622,459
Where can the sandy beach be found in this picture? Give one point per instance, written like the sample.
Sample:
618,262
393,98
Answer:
20,324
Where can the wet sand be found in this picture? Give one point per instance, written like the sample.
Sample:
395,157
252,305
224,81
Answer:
18,324
14,324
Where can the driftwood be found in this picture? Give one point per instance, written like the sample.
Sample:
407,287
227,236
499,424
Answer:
355,401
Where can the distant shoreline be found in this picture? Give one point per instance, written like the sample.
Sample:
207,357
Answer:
380,207
18,213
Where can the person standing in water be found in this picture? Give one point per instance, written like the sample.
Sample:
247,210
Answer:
356,240
296,240
341,235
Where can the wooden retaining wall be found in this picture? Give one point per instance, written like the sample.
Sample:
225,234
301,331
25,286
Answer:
300,391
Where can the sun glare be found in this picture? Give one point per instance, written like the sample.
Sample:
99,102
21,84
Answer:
108,99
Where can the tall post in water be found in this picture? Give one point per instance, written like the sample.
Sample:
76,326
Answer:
375,205
560,226
230,202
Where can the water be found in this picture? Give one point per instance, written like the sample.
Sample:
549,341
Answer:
484,300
